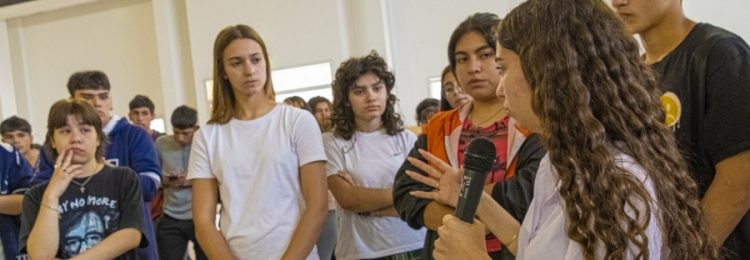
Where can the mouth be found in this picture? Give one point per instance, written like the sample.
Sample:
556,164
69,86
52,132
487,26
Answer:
624,15
77,150
476,81
372,108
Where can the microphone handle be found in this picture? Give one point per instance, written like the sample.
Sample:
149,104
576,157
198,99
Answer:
469,195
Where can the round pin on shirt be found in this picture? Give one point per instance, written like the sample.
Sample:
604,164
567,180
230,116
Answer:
672,108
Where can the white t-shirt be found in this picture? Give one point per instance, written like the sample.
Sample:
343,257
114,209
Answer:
372,159
543,234
256,164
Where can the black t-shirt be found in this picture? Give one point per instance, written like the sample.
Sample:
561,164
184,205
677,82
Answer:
110,202
710,73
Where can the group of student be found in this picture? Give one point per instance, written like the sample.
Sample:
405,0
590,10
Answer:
87,153
589,162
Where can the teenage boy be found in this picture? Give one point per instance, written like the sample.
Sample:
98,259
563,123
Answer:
142,113
16,131
175,228
706,73
14,177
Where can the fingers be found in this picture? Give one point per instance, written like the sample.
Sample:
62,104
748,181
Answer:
59,160
431,171
424,194
423,179
437,162
68,158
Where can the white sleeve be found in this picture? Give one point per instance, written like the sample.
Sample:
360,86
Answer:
200,165
307,139
335,156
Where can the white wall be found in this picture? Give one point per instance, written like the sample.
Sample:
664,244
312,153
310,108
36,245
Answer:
116,37
728,14
295,32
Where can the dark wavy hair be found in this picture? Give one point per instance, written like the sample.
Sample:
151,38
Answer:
592,92
346,75
58,118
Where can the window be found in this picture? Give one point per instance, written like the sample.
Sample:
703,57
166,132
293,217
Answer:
158,125
303,81
435,87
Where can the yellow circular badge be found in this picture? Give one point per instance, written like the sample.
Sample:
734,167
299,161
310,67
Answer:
672,108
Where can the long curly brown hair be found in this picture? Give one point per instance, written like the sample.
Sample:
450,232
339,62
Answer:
346,75
592,92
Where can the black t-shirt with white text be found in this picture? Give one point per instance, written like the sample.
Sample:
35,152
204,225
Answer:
710,74
111,201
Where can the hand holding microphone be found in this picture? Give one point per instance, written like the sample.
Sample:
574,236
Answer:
445,180
478,161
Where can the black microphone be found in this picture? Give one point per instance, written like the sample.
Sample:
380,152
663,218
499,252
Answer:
478,161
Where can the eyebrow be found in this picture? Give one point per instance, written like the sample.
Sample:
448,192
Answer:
380,81
240,57
477,50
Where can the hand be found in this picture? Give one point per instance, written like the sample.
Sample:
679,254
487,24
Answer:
64,172
460,240
444,179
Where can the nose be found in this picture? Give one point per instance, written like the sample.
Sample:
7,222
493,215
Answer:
371,95
75,136
475,65
618,3
249,68
95,102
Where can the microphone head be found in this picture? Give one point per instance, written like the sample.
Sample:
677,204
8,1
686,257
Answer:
480,155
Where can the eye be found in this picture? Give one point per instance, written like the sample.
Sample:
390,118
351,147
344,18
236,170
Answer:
461,59
256,60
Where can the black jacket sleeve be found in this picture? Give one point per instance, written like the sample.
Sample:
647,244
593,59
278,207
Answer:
410,208
515,193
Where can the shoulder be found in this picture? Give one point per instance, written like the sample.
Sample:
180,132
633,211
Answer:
164,140
5,148
440,117
294,114
407,135
124,173
720,43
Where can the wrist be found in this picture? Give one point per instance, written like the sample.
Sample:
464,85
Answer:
51,199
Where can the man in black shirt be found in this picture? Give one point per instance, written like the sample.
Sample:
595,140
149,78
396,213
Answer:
706,71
